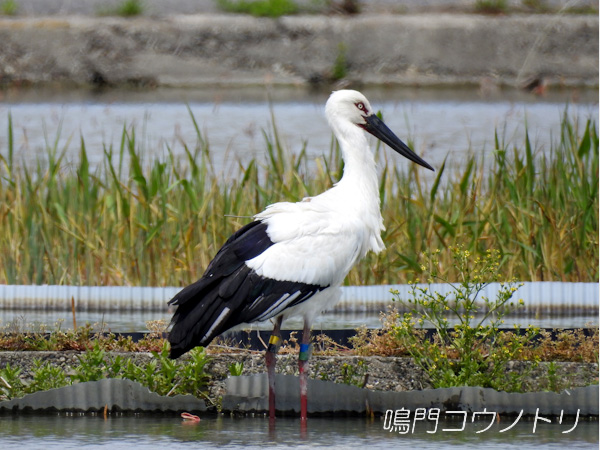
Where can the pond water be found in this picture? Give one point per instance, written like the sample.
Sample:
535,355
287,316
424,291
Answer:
439,122
74,432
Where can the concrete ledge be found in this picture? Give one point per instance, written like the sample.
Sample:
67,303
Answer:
204,49
250,394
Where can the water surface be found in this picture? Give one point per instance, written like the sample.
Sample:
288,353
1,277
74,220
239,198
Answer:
436,122
74,432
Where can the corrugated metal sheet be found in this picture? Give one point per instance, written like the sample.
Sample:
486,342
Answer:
249,394
87,298
112,393
539,297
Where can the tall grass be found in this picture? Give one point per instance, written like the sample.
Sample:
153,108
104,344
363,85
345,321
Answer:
159,222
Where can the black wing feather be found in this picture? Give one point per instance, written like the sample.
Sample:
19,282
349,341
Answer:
230,293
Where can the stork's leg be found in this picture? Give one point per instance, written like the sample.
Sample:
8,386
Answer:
270,359
303,358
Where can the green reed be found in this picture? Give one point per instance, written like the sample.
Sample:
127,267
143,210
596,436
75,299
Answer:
159,221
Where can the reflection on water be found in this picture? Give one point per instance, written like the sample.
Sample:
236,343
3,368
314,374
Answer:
253,433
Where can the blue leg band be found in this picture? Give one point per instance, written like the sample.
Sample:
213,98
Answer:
305,352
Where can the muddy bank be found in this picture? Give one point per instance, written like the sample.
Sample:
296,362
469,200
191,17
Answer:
201,50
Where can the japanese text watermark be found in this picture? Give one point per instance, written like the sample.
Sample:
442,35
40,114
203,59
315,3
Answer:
400,420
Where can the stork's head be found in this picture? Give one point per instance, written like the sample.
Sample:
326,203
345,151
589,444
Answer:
347,106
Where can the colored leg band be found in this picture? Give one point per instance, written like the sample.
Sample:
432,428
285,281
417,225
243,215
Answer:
274,343
305,352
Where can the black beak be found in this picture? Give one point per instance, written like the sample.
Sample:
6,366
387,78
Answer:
377,128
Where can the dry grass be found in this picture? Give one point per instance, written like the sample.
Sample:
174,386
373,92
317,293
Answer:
567,346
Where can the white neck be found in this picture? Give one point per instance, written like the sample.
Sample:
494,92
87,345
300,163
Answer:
360,172
358,190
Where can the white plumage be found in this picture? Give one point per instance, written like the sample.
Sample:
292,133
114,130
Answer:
293,257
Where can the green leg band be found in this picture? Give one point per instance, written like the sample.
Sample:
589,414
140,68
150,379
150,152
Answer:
305,352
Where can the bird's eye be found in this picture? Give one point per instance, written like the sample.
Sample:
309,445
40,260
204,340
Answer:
361,106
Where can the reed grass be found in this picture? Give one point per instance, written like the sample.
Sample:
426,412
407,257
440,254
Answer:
160,221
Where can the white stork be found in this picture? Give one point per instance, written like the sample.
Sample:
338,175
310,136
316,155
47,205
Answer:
293,258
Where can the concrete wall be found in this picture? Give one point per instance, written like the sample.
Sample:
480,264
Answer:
198,50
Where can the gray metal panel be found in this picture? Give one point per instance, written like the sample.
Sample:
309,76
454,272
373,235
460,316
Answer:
116,394
539,297
250,394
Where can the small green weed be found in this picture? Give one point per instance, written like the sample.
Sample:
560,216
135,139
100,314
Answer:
538,6
161,374
92,364
164,378
236,369
473,352
127,8
192,377
47,376
259,8
168,377
491,6
130,8
553,381
9,8
355,374
340,66
11,385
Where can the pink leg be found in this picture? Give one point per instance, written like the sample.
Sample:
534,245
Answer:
302,360
270,359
